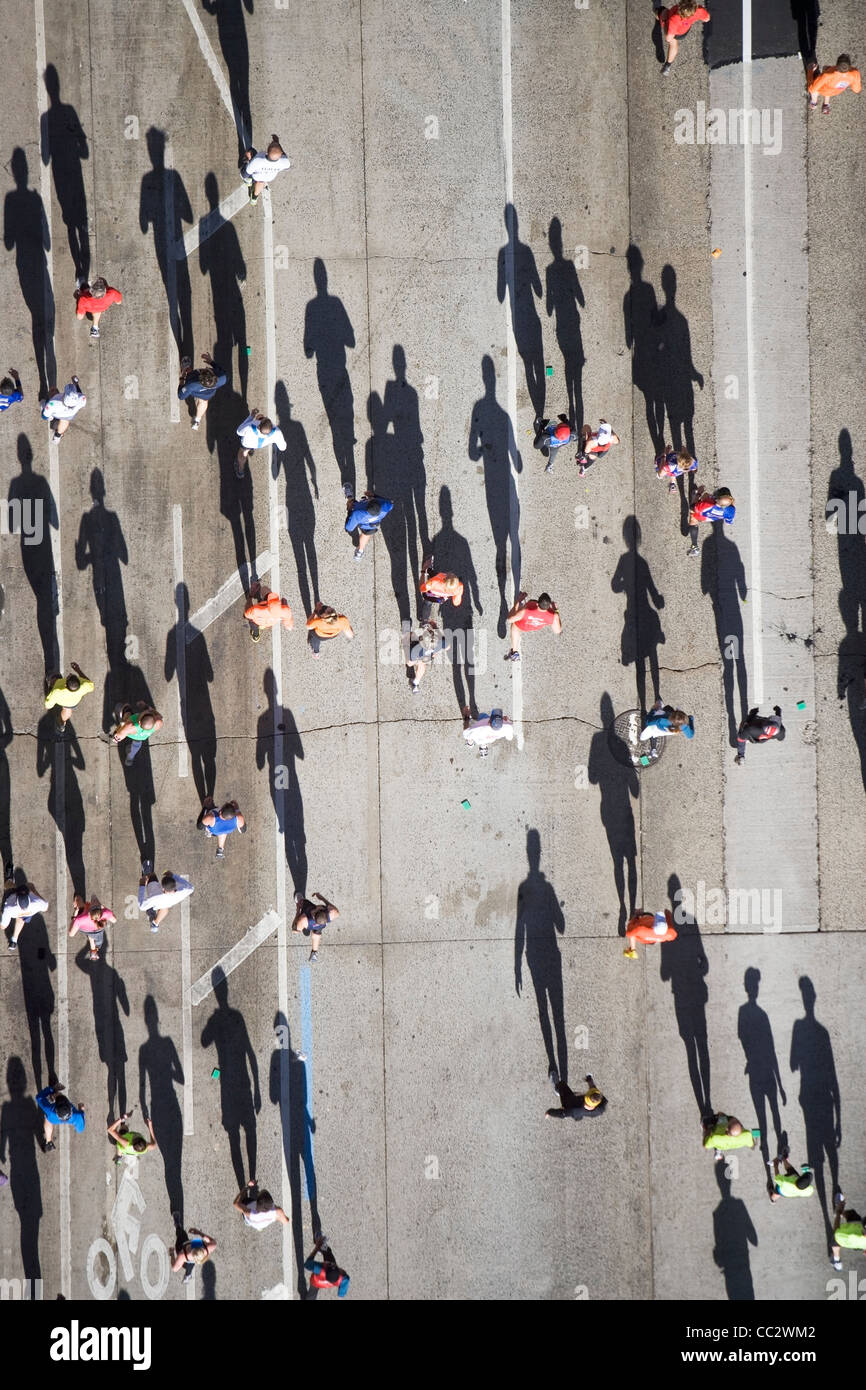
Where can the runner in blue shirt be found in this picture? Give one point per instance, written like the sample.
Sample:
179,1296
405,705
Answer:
364,516
551,435
58,1110
10,390
201,384
219,824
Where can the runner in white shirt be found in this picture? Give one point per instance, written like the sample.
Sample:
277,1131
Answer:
156,897
258,1208
262,167
254,433
63,406
486,729
18,905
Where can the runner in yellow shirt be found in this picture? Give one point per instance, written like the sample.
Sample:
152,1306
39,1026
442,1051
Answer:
66,693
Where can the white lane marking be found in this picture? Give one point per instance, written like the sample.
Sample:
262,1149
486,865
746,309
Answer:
227,594
756,675
511,388
186,1003
234,957
59,752
180,645
211,59
212,221
275,516
171,287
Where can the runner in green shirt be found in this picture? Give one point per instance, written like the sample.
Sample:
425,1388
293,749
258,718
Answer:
790,1183
137,725
848,1230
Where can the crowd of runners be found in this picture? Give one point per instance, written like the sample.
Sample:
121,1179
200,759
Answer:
137,721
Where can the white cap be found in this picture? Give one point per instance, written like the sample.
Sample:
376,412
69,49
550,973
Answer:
604,432
660,923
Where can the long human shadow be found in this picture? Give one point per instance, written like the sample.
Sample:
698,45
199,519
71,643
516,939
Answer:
679,373
451,554
642,633
110,1000
25,231
517,276
61,757
563,300
288,1090
125,684
101,547
6,736
618,786
159,1071
807,14
812,1057
493,445
221,259
847,487
164,206
328,333
63,145
687,970
395,469
240,1099
31,492
20,1123
300,511
762,1064
643,339
723,578
37,961
224,414
185,643
539,921
280,752
232,34
733,1233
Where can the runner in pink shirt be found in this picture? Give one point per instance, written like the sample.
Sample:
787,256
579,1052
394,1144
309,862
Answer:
91,918
528,615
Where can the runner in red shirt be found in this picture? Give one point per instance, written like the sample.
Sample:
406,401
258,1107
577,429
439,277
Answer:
675,21
652,928
94,300
529,614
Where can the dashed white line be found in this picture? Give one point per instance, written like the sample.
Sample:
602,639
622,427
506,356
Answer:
186,1013
756,675
210,58
212,221
180,645
227,594
171,288
234,957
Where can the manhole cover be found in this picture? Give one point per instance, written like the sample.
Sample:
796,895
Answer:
626,745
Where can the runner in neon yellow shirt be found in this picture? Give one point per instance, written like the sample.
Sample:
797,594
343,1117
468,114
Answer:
848,1228
128,1143
790,1183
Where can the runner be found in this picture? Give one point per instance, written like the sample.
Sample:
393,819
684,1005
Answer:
709,506
757,728
424,644
664,720
848,1231
57,1110
10,390
575,1107
593,445
156,897
191,1248
200,384
19,904
831,82
312,920
486,729
93,300
262,167
723,1132
326,1273
254,433
66,693
258,1208
220,824
652,928
266,610
528,615
91,918
128,1143
137,726
674,463
63,406
790,1183
676,21
364,515
437,589
325,623
551,435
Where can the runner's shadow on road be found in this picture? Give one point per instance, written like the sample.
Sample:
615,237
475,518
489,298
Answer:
232,34
63,145
517,277
846,505
125,684
101,547
642,633
687,967
196,708
328,333
723,578
762,1065
812,1057
6,736
452,555
164,205
539,921
110,1000
395,469
288,1090
25,231
20,1126
220,257
32,497
279,749
618,786
61,757
226,411
37,961
240,1099
734,1233
563,300
492,444
300,509
159,1067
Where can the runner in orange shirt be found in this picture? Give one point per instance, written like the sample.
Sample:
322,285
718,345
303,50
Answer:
325,623
829,82
266,610
652,928
437,589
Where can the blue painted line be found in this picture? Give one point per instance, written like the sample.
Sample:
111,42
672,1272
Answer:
307,1049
